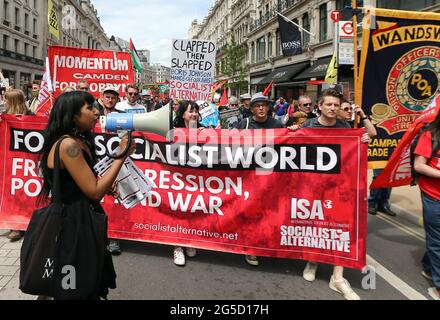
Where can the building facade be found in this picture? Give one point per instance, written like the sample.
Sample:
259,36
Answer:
162,73
22,45
254,25
24,35
79,25
148,71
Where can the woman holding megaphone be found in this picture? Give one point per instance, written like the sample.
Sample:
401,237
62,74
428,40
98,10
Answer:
71,121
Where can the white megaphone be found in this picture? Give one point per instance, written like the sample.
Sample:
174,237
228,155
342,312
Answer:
159,122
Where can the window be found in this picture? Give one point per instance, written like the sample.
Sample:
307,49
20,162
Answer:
269,44
26,22
16,44
34,51
17,16
306,26
34,26
6,10
260,49
5,42
323,22
253,52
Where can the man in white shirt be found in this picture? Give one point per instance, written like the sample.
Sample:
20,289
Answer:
130,105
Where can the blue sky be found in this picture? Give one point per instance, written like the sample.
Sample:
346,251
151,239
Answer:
151,23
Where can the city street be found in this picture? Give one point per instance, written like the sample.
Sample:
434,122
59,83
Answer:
146,271
395,247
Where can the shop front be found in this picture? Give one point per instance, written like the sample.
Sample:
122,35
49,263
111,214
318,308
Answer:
284,86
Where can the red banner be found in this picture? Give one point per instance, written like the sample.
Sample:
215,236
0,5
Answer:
397,172
271,193
99,67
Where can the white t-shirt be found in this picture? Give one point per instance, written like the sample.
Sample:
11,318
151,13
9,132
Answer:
125,107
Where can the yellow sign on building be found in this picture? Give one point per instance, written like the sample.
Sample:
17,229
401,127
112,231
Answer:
52,19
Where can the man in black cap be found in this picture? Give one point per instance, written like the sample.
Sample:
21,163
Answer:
260,118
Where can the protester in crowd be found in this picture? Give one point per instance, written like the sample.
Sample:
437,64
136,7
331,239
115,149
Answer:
176,106
379,199
427,164
83,85
329,105
260,115
157,104
230,115
2,99
15,104
107,103
293,107
145,99
130,105
349,113
305,105
280,109
245,107
166,97
33,103
68,89
71,120
297,119
187,116
260,120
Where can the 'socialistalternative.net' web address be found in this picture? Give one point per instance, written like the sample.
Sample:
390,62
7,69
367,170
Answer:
183,230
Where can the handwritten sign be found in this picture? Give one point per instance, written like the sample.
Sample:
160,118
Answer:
192,69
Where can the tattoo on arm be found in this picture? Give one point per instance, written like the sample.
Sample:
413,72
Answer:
72,150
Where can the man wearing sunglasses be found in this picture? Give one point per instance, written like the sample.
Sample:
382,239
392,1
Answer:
130,105
305,105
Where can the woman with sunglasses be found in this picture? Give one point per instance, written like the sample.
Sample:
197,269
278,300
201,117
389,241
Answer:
346,112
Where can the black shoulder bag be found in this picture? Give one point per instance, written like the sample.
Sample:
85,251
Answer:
64,253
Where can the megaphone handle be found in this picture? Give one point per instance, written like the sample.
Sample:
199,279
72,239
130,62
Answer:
127,147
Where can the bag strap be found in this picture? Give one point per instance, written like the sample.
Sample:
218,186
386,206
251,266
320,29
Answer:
247,123
56,192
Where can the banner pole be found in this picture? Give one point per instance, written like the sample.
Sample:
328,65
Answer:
357,98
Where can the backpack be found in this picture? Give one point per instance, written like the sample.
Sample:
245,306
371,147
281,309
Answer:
435,147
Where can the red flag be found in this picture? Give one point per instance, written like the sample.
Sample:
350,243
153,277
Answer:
45,97
398,170
267,90
224,99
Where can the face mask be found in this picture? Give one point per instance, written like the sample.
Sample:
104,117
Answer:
35,93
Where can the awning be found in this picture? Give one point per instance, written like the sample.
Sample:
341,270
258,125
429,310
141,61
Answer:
317,70
256,80
284,74
256,77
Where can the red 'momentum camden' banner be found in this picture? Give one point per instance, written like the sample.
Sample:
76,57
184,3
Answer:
99,67
270,193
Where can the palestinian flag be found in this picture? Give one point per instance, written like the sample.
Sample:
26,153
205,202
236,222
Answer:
134,57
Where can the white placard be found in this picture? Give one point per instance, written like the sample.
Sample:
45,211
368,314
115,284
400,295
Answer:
192,69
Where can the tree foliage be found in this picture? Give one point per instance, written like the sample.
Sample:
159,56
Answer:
233,65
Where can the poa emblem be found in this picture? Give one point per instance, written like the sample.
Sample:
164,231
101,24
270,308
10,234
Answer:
414,79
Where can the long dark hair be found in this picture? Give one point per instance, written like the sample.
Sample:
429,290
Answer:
434,127
61,123
179,122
